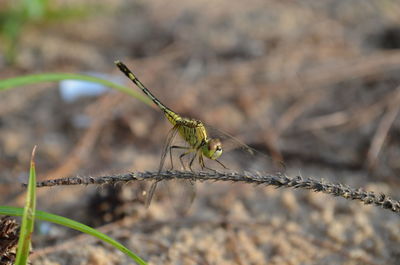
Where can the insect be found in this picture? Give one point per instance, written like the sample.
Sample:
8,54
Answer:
192,131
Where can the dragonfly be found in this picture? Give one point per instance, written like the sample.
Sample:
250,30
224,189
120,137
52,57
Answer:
199,144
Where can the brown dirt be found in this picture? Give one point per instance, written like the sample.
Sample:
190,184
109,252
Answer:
313,82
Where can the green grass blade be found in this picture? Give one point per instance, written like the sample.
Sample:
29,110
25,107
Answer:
28,217
15,211
53,77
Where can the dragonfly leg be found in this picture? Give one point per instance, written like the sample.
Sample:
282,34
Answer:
213,170
180,159
203,164
170,154
191,161
219,162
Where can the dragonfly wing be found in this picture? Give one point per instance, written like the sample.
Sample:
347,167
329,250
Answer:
150,193
167,144
170,137
229,142
181,194
232,145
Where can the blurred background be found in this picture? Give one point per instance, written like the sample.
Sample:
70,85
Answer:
315,84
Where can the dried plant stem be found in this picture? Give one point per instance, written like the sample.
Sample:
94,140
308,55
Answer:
277,180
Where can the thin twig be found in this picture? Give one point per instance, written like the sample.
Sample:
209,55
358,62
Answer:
383,129
321,76
277,180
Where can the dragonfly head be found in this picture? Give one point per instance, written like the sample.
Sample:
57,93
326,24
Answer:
212,149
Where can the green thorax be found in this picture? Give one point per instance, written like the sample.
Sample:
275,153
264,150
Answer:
191,130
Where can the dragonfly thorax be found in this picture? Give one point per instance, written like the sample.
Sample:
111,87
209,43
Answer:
212,148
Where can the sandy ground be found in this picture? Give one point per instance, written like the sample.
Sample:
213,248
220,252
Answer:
314,84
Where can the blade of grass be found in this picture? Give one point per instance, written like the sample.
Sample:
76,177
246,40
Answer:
53,77
44,216
28,217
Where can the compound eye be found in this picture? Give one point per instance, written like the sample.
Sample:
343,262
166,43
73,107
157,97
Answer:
214,148
214,145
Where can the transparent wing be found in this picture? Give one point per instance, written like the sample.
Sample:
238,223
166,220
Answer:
237,155
170,137
167,144
183,192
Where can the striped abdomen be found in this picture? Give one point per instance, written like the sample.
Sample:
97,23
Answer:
192,131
